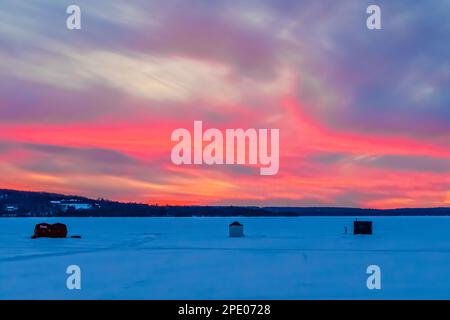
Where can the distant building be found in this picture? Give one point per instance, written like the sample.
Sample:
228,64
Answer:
76,206
9,215
71,204
11,208
236,230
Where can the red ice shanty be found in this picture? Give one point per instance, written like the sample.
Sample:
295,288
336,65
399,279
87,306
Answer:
45,230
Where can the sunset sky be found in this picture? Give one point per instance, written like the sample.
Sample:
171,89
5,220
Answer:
364,116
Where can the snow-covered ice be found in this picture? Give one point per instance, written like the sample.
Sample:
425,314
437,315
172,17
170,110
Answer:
193,258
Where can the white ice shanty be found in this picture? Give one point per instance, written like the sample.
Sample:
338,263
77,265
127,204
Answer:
236,230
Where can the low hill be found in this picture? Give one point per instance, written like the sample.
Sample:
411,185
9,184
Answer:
14,203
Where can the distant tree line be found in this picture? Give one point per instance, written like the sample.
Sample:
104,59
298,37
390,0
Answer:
28,204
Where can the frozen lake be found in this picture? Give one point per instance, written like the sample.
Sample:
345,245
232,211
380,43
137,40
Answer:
193,258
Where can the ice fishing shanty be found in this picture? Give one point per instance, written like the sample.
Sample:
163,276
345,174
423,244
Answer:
362,227
236,230
45,230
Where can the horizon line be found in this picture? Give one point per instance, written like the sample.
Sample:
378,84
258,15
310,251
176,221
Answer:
229,205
